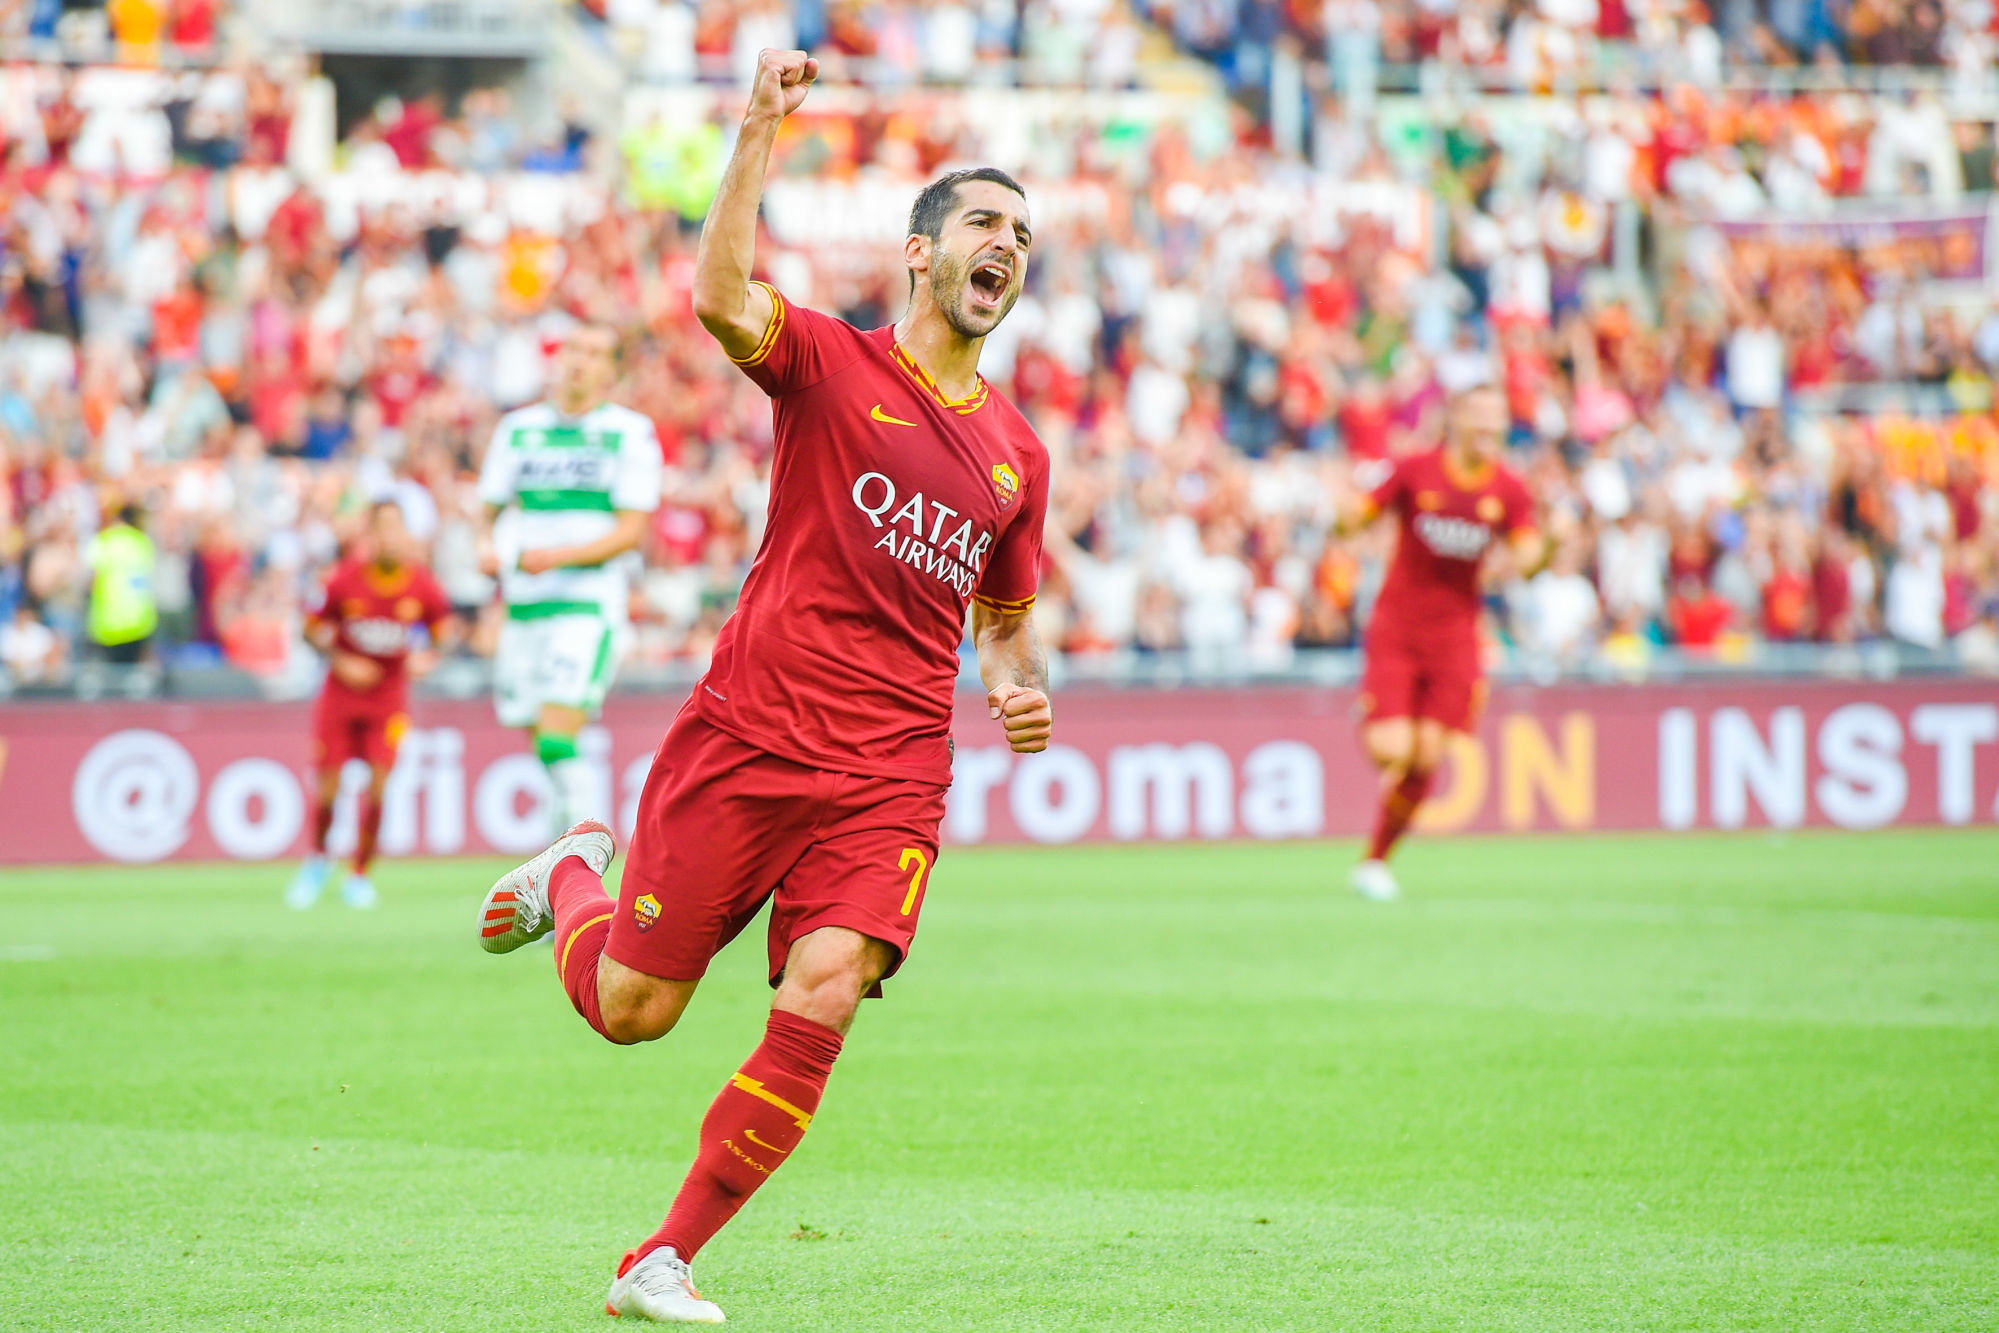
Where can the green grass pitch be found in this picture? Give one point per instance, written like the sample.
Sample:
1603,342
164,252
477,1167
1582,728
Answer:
1608,1083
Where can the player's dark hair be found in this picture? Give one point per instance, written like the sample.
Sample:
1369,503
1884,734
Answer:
939,197
927,214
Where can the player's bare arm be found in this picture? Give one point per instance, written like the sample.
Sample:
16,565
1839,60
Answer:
350,669
736,313
1015,671
446,637
489,553
626,536
1354,511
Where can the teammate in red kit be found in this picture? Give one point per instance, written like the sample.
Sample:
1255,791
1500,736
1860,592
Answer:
1423,682
372,602
810,765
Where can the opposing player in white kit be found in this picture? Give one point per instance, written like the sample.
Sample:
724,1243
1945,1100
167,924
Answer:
570,485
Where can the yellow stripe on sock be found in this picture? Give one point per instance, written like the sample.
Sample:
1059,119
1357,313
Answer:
756,1089
563,966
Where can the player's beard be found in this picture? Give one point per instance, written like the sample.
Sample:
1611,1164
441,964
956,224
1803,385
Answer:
949,276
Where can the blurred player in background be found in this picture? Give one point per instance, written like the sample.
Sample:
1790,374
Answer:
1423,682
810,766
373,600
570,485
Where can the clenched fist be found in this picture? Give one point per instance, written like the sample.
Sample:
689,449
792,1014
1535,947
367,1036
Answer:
1025,715
782,80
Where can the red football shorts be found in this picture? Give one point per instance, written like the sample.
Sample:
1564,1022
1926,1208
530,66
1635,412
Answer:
1416,680
724,827
346,728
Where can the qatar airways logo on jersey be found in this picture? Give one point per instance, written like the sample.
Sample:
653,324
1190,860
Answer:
923,533
1453,538
378,636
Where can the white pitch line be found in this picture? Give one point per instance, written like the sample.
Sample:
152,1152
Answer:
26,953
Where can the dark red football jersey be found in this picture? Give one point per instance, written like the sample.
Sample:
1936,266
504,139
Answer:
891,509
1446,524
372,614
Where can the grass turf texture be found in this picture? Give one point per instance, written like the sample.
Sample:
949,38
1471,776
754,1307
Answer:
1600,1083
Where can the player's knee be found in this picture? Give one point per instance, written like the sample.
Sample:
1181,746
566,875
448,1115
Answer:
831,1001
828,973
636,1014
630,1019
1391,746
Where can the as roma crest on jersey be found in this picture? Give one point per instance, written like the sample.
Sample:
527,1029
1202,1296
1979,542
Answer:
1429,500
1007,482
1490,508
408,608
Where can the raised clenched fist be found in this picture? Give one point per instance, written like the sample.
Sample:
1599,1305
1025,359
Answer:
783,78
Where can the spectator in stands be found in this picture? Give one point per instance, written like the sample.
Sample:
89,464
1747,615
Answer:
124,611
30,652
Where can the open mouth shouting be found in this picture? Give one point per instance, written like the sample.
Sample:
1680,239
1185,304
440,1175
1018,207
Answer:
989,282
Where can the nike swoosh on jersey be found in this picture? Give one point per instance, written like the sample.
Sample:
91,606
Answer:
880,415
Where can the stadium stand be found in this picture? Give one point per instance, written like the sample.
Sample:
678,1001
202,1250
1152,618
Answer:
1743,310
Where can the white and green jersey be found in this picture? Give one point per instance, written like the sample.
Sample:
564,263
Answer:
561,481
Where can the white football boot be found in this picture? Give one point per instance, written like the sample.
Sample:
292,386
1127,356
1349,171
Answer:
1374,881
516,909
359,892
660,1288
308,884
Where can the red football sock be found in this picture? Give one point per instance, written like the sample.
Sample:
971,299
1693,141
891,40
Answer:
583,913
322,824
371,829
1399,805
749,1131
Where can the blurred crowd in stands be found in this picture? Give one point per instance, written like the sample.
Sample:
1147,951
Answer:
1221,338
1523,44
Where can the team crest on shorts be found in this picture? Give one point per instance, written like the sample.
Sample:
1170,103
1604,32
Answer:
645,912
1489,508
1007,482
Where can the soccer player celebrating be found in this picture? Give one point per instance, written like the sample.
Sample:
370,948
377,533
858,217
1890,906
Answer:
570,485
812,760
1423,682
372,601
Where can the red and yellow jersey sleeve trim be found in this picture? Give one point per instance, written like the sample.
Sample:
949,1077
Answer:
771,330
1367,510
1018,607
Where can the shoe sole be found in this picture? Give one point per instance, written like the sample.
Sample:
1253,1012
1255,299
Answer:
496,923
498,911
616,1313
